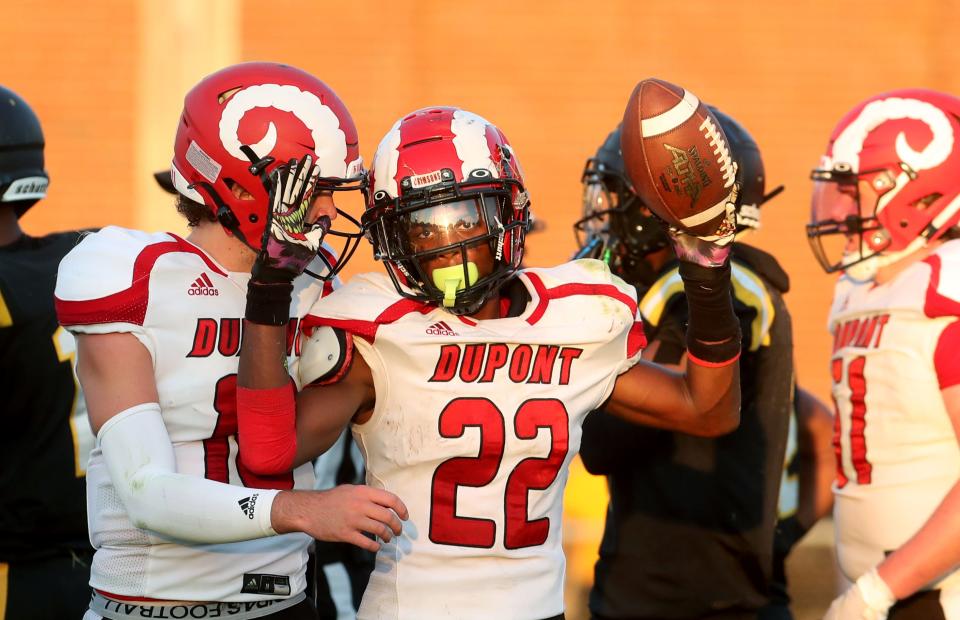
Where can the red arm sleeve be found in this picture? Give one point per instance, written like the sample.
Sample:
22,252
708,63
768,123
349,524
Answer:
267,428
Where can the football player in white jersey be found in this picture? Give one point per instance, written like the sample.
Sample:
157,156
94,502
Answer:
467,378
885,210
181,526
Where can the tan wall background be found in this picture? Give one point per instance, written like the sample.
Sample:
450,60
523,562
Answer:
107,78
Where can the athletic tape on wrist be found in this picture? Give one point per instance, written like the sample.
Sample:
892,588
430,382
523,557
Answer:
268,303
713,331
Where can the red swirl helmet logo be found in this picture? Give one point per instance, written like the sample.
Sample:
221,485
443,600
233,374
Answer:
849,143
318,118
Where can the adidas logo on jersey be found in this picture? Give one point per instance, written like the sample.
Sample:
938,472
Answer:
203,286
248,505
259,583
440,328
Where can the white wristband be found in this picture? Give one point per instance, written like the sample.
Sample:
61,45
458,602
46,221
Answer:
140,458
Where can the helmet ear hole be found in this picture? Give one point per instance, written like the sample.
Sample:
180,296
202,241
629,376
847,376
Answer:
222,97
239,191
927,201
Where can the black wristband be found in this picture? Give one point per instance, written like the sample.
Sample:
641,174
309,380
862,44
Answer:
713,331
268,303
270,275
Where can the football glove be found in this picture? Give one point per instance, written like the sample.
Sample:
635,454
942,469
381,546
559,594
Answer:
710,250
868,599
289,242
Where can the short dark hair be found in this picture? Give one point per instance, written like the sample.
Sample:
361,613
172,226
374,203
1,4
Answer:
194,211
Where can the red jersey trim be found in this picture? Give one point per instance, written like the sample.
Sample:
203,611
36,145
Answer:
636,339
568,290
945,358
130,304
368,329
133,599
936,305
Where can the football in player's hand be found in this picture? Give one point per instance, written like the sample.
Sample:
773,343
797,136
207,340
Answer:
677,156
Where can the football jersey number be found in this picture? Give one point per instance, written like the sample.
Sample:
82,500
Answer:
858,420
216,449
536,473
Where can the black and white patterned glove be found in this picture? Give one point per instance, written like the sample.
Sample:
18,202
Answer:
289,242
711,250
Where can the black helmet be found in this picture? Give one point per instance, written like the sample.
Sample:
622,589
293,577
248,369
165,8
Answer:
616,230
23,181
750,172
614,227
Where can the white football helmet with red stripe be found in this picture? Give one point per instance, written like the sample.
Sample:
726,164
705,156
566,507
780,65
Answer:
889,181
448,210
281,113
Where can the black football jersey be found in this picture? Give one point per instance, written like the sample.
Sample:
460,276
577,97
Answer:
46,437
690,529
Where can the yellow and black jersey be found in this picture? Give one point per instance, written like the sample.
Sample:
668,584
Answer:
47,438
690,527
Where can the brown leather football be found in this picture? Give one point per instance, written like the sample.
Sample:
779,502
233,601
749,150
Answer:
677,156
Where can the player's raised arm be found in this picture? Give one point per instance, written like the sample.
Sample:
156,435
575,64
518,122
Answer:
666,128
705,398
272,438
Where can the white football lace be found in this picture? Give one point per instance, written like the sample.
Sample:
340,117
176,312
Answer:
720,149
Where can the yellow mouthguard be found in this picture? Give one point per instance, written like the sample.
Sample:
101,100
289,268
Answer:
450,280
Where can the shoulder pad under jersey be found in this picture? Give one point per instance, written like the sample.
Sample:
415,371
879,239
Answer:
106,278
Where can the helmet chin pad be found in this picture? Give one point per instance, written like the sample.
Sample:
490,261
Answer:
450,280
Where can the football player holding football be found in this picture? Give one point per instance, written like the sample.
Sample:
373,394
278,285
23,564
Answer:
43,526
182,527
690,528
885,209
467,378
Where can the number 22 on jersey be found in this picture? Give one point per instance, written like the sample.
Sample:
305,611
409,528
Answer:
534,473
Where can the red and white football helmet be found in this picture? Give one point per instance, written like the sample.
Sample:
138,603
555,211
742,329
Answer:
444,182
888,183
282,113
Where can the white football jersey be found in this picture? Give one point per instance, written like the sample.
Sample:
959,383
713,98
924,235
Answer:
894,349
187,311
474,427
